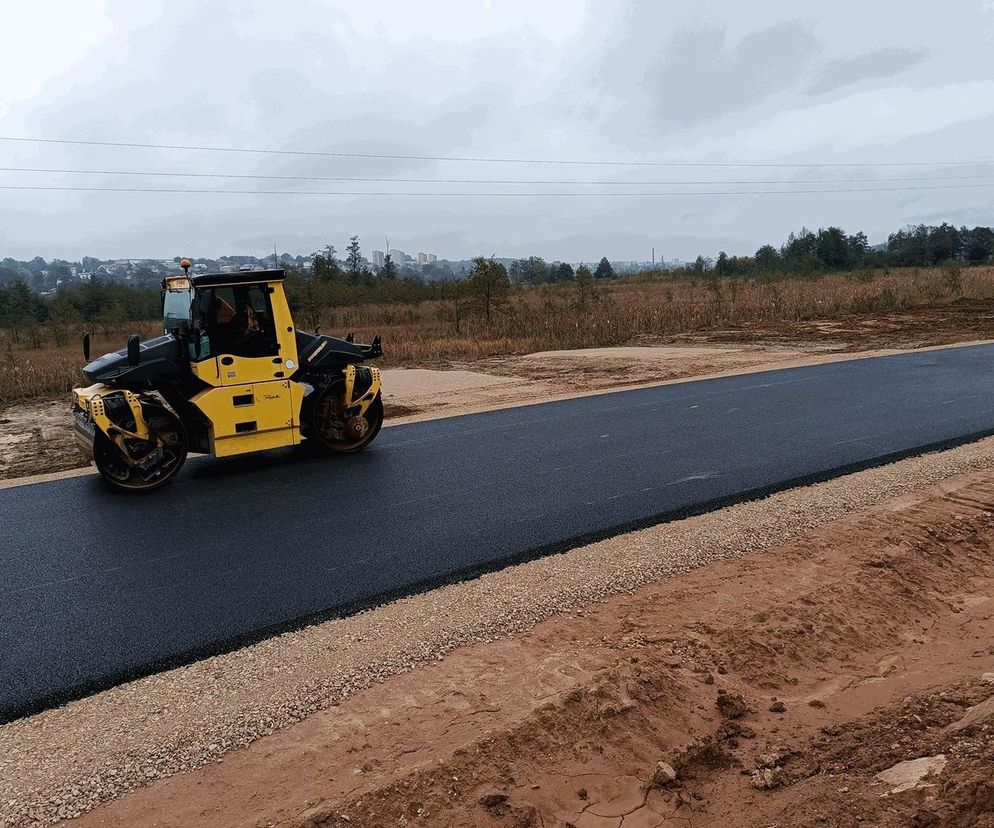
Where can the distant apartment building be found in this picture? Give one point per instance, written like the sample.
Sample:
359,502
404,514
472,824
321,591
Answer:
422,258
378,258
432,258
398,257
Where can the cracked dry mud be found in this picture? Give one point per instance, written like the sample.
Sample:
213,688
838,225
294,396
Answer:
870,637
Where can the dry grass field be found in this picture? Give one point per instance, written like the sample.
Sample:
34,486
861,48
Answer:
434,333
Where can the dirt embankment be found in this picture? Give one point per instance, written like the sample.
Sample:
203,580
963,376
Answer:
775,689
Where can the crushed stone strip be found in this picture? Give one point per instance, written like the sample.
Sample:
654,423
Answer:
61,763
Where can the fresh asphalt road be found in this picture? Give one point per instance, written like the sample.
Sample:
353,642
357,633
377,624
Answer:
97,587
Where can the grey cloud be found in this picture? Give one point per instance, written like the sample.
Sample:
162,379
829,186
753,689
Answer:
388,126
879,64
699,76
640,79
971,216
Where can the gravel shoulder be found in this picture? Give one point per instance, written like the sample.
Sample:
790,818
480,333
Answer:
574,672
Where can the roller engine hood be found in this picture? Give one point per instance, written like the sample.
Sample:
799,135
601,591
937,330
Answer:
159,357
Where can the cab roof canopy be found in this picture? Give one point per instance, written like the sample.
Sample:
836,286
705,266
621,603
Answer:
252,277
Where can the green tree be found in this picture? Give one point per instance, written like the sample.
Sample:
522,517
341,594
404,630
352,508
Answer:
145,277
326,266
561,272
946,244
859,247
59,270
604,269
111,318
488,285
767,259
22,311
62,317
353,261
832,248
389,270
800,252
584,281
530,271
721,264
978,244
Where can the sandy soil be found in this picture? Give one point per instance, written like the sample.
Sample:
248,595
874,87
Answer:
419,393
775,689
36,437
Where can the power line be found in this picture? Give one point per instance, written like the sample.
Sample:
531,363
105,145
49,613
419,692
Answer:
400,157
500,181
488,194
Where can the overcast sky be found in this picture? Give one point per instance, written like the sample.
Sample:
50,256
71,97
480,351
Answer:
764,82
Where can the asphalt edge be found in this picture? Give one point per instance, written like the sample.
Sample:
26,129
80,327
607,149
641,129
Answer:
231,644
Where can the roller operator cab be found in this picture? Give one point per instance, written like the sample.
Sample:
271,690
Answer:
231,374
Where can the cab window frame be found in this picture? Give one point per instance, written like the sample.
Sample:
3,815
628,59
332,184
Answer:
228,345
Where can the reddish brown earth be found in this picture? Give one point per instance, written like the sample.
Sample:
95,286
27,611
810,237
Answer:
804,670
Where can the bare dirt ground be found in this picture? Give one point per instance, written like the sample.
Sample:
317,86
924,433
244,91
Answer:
498,382
36,438
959,321
776,689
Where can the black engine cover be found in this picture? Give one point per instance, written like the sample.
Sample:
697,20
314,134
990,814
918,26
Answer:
161,358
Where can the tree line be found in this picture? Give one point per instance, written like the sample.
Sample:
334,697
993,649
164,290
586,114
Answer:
831,249
27,316
348,280
535,271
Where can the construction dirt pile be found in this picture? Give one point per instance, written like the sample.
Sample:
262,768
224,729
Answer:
843,678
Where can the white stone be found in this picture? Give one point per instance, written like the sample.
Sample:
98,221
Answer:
904,776
664,774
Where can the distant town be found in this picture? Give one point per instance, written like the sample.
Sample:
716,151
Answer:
48,276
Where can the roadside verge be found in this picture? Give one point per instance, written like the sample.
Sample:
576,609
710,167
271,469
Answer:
63,762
